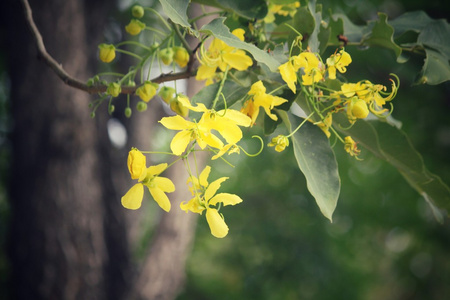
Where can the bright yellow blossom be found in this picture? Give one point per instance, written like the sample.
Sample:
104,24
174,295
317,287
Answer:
107,53
261,99
338,61
220,55
181,56
311,65
135,27
149,177
325,124
205,198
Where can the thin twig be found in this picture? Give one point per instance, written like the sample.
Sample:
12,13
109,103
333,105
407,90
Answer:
75,83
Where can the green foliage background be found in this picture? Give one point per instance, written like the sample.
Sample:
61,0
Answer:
384,242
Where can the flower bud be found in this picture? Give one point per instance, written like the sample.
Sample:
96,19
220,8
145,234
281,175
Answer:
137,11
177,107
113,89
181,56
90,82
141,106
107,53
135,27
128,112
92,115
166,93
136,164
166,56
111,109
360,110
147,91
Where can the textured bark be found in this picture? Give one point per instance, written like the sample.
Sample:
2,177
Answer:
60,226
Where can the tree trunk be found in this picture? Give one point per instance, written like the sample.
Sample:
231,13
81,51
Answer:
60,231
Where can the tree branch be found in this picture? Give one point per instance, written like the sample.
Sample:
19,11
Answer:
76,83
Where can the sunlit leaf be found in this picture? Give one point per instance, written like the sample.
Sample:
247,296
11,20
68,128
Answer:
392,145
222,32
176,10
318,163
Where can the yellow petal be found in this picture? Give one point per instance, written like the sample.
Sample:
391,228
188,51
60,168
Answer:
165,184
136,164
238,60
205,72
203,178
160,197
289,75
236,116
217,225
213,187
180,142
176,123
226,199
133,198
156,170
239,32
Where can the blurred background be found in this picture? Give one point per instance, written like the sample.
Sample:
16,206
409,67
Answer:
64,235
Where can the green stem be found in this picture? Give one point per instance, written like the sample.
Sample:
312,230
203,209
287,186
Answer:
181,37
129,53
159,16
219,91
301,124
132,43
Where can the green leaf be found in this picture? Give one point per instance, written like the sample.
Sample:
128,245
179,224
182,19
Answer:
410,21
382,35
392,145
249,9
435,70
220,31
318,163
352,32
436,35
176,10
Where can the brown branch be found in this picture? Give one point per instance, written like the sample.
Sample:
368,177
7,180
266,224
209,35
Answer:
76,83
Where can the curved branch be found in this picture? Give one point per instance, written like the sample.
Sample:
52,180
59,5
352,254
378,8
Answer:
76,83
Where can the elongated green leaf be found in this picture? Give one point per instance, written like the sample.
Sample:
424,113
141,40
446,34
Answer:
176,10
392,145
222,32
318,163
382,35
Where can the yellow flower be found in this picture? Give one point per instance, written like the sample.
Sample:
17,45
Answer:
359,109
230,148
325,124
205,198
135,27
280,142
149,177
181,56
338,61
177,106
107,53
261,99
283,10
351,147
226,122
311,67
220,55
147,91
289,75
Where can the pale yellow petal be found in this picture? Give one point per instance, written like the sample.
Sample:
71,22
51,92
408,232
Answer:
176,123
203,178
289,75
238,60
217,225
165,184
180,141
205,72
133,198
160,197
236,116
213,187
156,170
226,199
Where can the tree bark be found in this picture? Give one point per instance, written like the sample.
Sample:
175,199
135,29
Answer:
60,240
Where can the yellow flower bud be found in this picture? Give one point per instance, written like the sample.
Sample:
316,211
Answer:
137,164
107,52
166,56
113,89
147,91
177,107
135,27
166,93
137,11
280,142
181,56
360,109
